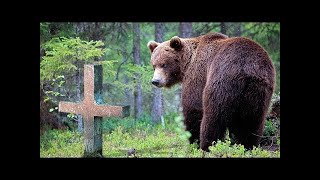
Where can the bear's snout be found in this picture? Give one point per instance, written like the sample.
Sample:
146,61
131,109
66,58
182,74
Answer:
156,82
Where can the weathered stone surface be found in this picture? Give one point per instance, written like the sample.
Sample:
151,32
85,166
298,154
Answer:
92,112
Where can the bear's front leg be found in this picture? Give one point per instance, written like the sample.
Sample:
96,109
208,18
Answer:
192,121
192,109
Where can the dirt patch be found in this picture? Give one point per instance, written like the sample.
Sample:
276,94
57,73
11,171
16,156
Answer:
273,147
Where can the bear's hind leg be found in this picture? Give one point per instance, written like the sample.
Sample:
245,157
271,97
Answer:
248,122
247,134
215,116
212,130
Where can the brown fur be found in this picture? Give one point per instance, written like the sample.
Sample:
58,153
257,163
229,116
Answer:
226,83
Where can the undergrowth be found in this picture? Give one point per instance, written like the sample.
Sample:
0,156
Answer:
119,135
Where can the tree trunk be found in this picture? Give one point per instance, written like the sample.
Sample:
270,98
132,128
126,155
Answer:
127,91
78,96
46,117
237,30
223,28
126,81
137,61
80,28
157,100
185,29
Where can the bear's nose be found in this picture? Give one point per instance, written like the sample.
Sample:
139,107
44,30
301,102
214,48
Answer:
155,82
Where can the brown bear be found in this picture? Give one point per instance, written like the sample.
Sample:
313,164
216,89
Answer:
226,83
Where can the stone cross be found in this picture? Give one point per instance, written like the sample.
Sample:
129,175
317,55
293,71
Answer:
92,112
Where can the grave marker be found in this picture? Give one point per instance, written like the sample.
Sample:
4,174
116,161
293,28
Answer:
92,112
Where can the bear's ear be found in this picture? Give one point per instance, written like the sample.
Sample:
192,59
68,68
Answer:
175,43
152,45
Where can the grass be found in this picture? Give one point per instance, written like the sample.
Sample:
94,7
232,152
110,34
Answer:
148,140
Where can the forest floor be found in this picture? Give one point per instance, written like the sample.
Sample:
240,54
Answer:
148,141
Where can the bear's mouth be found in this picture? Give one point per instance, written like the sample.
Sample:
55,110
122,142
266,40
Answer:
158,83
167,83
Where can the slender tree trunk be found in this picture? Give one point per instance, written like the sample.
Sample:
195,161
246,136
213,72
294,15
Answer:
78,96
126,81
185,29
237,29
127,91
157,100
137,60
80,28
223,28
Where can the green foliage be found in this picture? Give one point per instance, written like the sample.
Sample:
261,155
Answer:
275,98
63,54
54,94
59,143
180,129
224,149
171,29
44,29
271,132
202,28
109,72
49,30
72,116
110,124
269,128
145,72
278,141
149,140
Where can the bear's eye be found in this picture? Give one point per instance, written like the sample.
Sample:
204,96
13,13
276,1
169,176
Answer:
176,60
164,65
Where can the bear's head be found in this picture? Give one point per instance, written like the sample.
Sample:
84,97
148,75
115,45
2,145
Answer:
166,59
